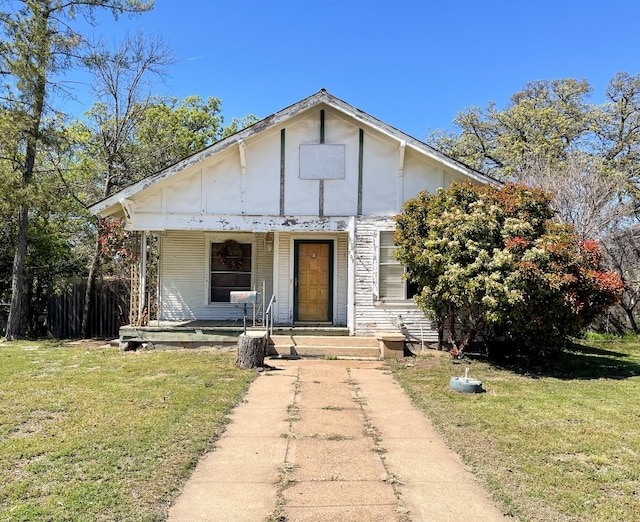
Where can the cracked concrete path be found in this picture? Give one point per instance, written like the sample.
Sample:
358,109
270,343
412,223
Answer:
318,440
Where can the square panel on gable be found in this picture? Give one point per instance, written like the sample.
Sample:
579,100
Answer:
318,157
322,161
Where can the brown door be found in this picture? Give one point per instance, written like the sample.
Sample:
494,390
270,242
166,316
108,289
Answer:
313,267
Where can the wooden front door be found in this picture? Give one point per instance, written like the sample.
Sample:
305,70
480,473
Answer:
313,283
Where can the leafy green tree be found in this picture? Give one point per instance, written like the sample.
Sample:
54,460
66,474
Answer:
37,43
546,119
173,129
587,155
617,125
123,87
131,133
492,264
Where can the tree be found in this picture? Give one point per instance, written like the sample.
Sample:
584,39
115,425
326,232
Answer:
623,254
549,122
587,155
173,129
546,119
131,133
617,125
53,235
586,194
124,93
493,265
38,43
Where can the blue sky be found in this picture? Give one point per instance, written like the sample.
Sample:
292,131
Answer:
412,64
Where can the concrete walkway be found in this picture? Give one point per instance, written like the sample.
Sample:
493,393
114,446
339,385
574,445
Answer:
319,440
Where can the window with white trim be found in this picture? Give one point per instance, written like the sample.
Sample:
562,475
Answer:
391,280
230,269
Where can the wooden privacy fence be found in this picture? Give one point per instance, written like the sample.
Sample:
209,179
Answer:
4,317
109,310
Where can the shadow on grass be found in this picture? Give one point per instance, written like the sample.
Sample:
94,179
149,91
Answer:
577,361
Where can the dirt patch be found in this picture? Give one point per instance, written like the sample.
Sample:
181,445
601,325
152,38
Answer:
88,343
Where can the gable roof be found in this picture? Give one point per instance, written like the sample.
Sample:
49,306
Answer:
320,97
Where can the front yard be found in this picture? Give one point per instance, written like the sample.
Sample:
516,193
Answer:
90,433
561,444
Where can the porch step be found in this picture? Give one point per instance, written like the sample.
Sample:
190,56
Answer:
325,346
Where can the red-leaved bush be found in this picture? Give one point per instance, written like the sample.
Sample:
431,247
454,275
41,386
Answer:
494,266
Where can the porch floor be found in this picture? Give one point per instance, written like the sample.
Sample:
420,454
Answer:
231,327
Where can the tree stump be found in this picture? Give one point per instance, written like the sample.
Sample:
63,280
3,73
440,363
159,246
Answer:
251,351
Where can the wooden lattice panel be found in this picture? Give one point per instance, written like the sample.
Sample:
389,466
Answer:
135,293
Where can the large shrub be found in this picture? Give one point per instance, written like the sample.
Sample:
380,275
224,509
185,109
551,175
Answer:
494,266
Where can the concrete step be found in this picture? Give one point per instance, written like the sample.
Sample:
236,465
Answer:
325,346
340,341
300,331
325,351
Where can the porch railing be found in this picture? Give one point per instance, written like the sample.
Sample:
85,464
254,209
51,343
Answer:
269,318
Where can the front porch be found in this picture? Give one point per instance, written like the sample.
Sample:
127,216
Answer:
284,341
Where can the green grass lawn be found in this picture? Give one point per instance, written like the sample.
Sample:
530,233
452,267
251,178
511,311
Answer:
558,444
90,433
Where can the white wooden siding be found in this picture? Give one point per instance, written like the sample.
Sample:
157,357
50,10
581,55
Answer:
182,276
151,201
380,176
189,187
184,292
263,272
421,174
371,314
301,196
341,195
223,186
263,174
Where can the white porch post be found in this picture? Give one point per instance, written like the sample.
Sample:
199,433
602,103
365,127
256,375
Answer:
276,276
351,276
142,287
159,281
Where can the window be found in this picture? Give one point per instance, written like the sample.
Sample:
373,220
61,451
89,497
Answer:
391,282
230,269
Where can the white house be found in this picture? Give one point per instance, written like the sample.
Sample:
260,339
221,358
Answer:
300,204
